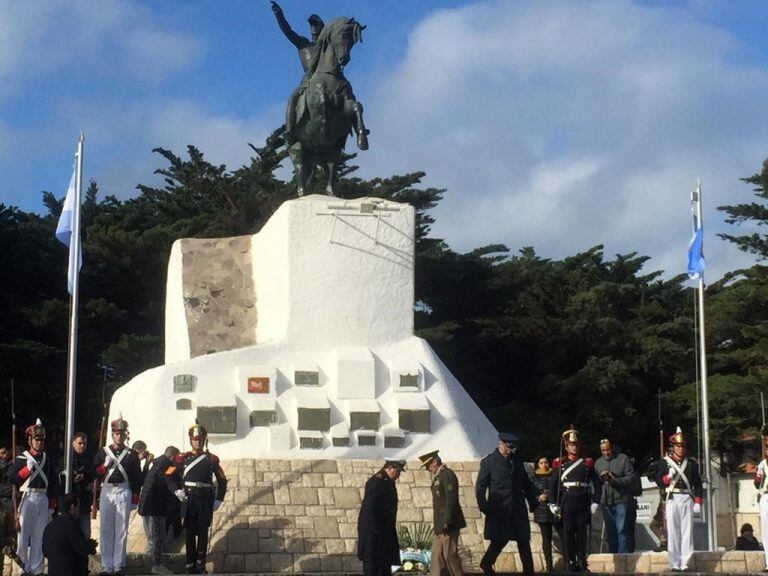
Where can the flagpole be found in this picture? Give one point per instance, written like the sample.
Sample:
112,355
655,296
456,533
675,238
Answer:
709,500
72,359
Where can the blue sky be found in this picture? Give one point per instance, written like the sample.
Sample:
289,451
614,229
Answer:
555,124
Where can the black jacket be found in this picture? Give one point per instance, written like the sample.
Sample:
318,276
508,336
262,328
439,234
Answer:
542,514
66,547
676,483
81,464
502,488
377,522
155,497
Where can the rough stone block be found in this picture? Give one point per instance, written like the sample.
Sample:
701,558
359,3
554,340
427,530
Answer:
326,528
258,563
234,562
330,564
347,497
303,496
281,562
242,541
218,419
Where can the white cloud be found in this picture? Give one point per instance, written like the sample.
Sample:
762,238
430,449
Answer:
562,125
108,38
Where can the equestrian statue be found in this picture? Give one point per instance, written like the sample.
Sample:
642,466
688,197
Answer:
322,111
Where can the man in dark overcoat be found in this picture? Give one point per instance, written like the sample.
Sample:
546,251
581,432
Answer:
377,545
64,544
502,488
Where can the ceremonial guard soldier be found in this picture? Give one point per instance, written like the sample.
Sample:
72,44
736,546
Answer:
118,468
679,476
761,483
377,545
447,515
576,487
190,478
33,473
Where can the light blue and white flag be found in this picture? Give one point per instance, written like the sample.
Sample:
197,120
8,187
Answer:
696,262
65,229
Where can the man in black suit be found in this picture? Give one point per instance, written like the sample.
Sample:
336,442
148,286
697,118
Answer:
377,545
64,544
502,488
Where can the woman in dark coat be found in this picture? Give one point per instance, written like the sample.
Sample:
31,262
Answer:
502,488
543,515
377,545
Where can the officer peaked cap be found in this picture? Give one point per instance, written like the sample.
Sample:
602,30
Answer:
509,439
428,457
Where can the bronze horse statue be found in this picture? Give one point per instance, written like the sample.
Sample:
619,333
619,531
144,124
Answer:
326,111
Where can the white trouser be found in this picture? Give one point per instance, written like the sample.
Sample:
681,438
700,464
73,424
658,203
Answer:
33,516
679,530
115,513
764,524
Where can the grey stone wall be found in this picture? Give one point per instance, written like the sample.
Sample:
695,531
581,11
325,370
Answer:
219,296
301,515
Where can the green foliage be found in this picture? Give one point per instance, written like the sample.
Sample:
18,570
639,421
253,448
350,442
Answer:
417,535
539,344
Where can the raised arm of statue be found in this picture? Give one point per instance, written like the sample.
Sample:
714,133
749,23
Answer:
298,41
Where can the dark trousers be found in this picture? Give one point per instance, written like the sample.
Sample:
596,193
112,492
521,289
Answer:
495,548
373,569
197,520
546,529
576,518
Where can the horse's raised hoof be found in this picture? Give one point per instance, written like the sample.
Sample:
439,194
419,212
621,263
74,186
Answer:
362,141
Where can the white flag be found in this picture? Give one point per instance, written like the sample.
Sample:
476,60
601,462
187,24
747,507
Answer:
65,229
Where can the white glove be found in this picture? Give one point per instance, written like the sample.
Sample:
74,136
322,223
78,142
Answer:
593,507
30,466
108,460
216,505
180,495
555,510
696,508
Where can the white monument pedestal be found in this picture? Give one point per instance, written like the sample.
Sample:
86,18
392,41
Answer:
297,343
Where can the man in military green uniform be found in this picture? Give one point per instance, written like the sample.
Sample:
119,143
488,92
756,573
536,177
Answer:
448,517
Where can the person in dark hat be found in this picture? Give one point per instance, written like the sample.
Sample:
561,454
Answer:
191,480
377,545
35,476
118,468
447,514
679,475
502,488
307,50
577,491
64,544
